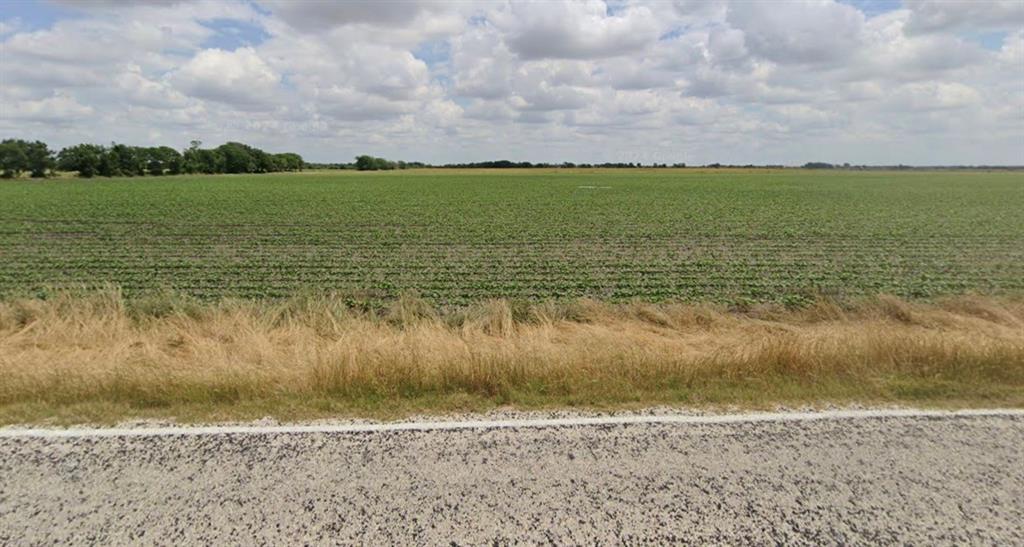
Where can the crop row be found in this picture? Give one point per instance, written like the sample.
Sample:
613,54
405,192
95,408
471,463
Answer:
456,239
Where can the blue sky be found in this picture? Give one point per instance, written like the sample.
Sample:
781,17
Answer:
37,14
233,34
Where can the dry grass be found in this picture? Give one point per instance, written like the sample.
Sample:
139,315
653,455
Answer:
96,356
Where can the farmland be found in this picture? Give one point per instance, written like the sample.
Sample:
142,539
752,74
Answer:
455,237
324,293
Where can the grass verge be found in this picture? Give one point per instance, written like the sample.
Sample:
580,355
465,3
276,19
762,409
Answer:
97,357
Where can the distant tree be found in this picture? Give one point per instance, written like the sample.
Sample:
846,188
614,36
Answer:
18,156
152,159
818,165
40,159
315,165
160,159
109,165
190,160
289,161
264,162
370,163
199,160
238,158
130,160
84,158
174,165
13,159
210,161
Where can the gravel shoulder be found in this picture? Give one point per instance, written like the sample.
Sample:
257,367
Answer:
853,478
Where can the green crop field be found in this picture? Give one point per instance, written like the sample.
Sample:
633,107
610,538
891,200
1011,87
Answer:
459,236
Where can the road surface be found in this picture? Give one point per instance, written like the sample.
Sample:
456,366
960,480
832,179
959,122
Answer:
840,478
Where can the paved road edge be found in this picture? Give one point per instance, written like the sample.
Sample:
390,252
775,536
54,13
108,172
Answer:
24,432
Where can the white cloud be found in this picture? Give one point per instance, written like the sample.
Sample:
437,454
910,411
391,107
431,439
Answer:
633,80
483,65
239,78
935,96
348,104
798,31
394,22
726,45
10,25
939,15
575,30
142,91
889,50
316,15
58,109
1012,51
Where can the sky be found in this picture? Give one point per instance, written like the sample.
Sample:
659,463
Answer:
921,82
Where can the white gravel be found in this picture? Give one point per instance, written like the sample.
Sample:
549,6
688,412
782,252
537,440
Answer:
845,477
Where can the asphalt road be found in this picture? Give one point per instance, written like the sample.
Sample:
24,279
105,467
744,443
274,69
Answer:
834,480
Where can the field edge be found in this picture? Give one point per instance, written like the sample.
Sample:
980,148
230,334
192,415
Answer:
99,357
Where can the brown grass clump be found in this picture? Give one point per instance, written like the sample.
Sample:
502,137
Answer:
101,356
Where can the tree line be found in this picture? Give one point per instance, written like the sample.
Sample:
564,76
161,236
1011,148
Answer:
121,160
506,164
19,156
371,163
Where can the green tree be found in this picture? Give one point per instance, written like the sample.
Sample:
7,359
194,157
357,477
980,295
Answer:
18,156
364,163
264,162
159,159
40,159
13,160
370,163
84,158
109,165
238,158
289,161
211,162
200,160
174,166
191,162
130,162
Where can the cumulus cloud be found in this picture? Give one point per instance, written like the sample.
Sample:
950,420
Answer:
798,31
575,30
316,15
239,78
939,15
1012,51
106,4
635,80
935,96
59,109
9,26
143,91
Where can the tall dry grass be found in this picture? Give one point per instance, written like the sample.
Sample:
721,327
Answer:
164,352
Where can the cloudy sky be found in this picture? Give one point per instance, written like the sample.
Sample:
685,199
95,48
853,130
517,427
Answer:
696,81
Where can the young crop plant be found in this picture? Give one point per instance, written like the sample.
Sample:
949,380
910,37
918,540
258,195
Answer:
744,237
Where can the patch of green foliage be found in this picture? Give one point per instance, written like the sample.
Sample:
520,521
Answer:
18,156
454,237
120,160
